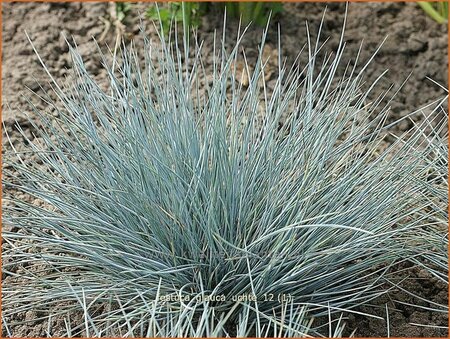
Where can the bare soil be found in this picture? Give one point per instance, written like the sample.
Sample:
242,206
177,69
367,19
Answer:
415,43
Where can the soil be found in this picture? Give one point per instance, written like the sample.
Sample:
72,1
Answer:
415,44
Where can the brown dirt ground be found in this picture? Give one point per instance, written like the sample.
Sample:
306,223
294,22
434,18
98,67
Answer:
415,43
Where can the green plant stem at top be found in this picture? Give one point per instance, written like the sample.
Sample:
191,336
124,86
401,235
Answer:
436,10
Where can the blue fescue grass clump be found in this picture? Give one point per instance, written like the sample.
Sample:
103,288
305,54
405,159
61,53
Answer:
179,188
